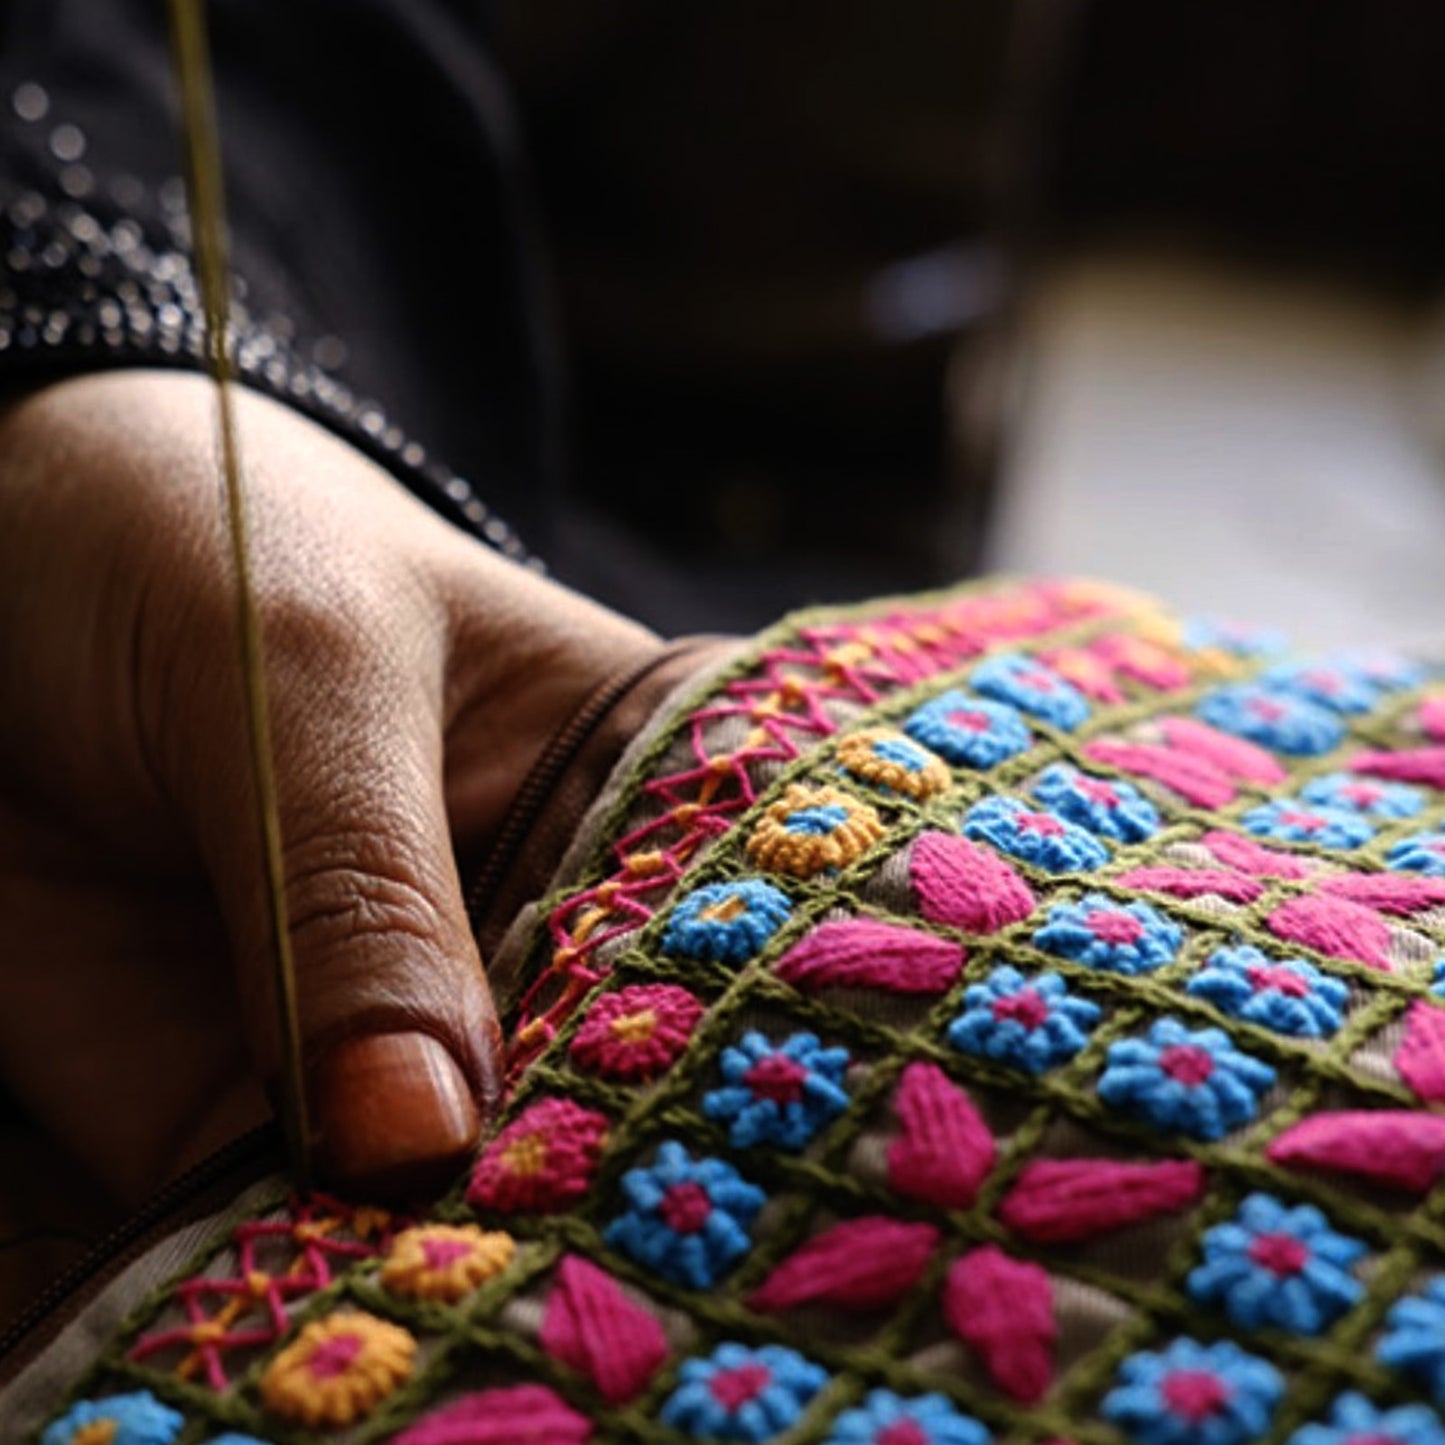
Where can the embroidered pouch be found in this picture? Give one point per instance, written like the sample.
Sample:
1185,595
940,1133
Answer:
1009,1015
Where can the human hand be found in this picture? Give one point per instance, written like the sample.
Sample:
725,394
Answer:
414,676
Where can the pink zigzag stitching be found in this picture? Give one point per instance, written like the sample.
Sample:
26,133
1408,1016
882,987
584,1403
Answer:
247,1309
786,696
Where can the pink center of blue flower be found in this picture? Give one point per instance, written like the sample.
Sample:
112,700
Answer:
777,1077
1326,682
1098,792
733,1389
1305,822
1024,1007
1281,1254
685,1208
971,722
1186,1064
1362,795
1265,709
1114,926
903,1432
1040,823
1278,980
1194,1395
1039,680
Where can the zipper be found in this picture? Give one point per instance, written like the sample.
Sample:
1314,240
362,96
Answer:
135,1235
543,776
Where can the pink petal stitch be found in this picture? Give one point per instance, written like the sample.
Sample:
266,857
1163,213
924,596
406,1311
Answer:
1196,780
1194,883
1057,1201
1250,857
944,1150
1387,1146
1240,759
1394,893
1003,1309
859,953
966,886
599,1331
519,1415
1334,926
859,1264
1420,1059
1409,765
1432,718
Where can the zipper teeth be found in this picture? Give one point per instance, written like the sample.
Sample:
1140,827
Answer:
542,778
133,1232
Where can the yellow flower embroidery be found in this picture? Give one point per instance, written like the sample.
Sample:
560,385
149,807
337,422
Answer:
809,830
338,1369
887,759
444,1261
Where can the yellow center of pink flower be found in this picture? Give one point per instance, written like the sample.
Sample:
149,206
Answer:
526,1156
635,1028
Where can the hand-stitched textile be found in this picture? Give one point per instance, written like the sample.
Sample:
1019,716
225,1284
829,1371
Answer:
1009,1015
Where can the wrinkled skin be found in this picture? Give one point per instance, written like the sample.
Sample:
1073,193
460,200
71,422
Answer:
414,677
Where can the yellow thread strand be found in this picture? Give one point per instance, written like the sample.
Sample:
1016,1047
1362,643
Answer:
206,200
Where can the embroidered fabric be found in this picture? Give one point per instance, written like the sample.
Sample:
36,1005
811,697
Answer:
939,1138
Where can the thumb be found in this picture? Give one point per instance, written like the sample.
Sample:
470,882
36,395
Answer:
400,1041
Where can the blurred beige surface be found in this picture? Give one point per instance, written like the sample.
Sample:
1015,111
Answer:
1238,442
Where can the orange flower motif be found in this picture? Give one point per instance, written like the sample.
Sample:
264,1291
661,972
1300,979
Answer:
338,1369
813,830
445,1261
887,759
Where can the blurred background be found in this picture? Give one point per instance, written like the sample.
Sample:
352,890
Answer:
860,297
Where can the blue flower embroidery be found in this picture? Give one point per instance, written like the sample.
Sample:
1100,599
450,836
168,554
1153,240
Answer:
738,1393
1111,809
1437,979
1363,795
1201,633
1336,686
1037,690
1273,719
1273,1266
1300,823
138,1419
1127,938
969,731
1195,1082
1032,1024
1038,838
726,922
689,1219
1291,996
778,1094
1419,853
1193,1394
1414,1338
1355,1421
884,1419
1388,671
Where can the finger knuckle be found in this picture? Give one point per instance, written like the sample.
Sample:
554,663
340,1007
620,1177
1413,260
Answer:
344,888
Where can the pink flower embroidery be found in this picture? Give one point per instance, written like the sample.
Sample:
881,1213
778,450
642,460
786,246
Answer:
636,1032
542,1161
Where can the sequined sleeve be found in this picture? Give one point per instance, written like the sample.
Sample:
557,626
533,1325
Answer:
97,273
